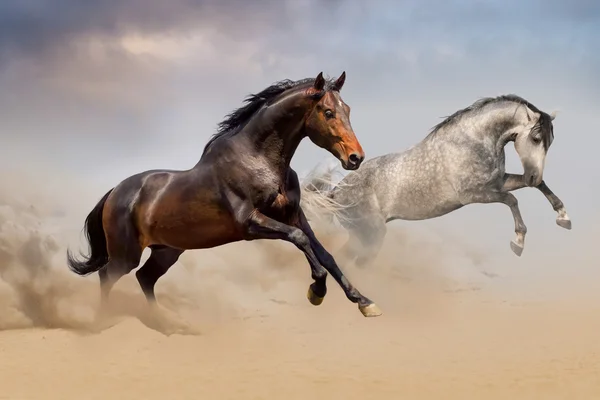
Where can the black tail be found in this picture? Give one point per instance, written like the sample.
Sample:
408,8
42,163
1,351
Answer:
95,235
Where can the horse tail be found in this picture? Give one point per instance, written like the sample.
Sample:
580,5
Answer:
94,231
318,196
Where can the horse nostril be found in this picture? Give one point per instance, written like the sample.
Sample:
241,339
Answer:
354,158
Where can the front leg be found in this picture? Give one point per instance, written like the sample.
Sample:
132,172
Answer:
366,306
259,226
511,201
562,219
514,182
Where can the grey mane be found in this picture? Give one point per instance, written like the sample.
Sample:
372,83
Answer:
544,125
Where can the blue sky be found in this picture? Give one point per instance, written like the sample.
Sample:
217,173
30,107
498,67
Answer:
107,89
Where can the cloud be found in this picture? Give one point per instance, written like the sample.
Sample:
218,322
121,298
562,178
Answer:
40,25
110,87
97,46
305,26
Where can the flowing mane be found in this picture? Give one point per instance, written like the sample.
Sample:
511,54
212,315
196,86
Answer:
237,119
544,125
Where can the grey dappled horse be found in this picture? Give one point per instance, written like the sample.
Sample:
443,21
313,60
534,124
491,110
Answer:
462,161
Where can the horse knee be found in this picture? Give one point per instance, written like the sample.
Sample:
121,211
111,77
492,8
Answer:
299,238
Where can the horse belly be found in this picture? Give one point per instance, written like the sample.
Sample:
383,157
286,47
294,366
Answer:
200,236
419,202
417,208
193,226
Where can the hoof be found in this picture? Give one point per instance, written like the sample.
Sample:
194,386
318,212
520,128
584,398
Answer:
370,311
516,248
313,298
564,223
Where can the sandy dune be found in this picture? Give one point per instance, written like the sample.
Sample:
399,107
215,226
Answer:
470,348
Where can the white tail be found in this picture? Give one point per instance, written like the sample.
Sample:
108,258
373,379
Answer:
316,200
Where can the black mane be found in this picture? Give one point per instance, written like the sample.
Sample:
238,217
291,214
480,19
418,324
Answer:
237,119
544,124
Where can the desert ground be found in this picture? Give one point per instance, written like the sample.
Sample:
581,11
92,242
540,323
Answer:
235,324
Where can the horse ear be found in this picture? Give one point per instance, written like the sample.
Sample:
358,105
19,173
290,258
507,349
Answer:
337,86
553,115
319,82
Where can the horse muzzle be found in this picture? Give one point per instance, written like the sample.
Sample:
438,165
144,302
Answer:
353,162
533,179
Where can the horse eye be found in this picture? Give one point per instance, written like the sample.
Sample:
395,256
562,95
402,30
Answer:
329,114
536,139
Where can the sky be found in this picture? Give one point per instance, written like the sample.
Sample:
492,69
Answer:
102,90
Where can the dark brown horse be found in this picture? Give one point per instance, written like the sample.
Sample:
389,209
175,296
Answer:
241,189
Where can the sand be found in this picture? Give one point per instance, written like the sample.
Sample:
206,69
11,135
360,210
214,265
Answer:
473,348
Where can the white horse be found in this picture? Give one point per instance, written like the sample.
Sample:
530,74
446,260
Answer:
462,161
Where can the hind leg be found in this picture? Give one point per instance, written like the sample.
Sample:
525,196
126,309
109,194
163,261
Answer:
365,241
159,262
352,248
111,273
371,237
161,259
366,227
124,252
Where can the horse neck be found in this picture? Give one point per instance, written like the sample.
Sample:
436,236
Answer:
278,129
494,122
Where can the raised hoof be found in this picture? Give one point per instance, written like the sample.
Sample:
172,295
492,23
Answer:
516,248
564,223
313,298
370,311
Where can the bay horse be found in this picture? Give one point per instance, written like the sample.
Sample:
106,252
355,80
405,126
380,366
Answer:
460,162
242,188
